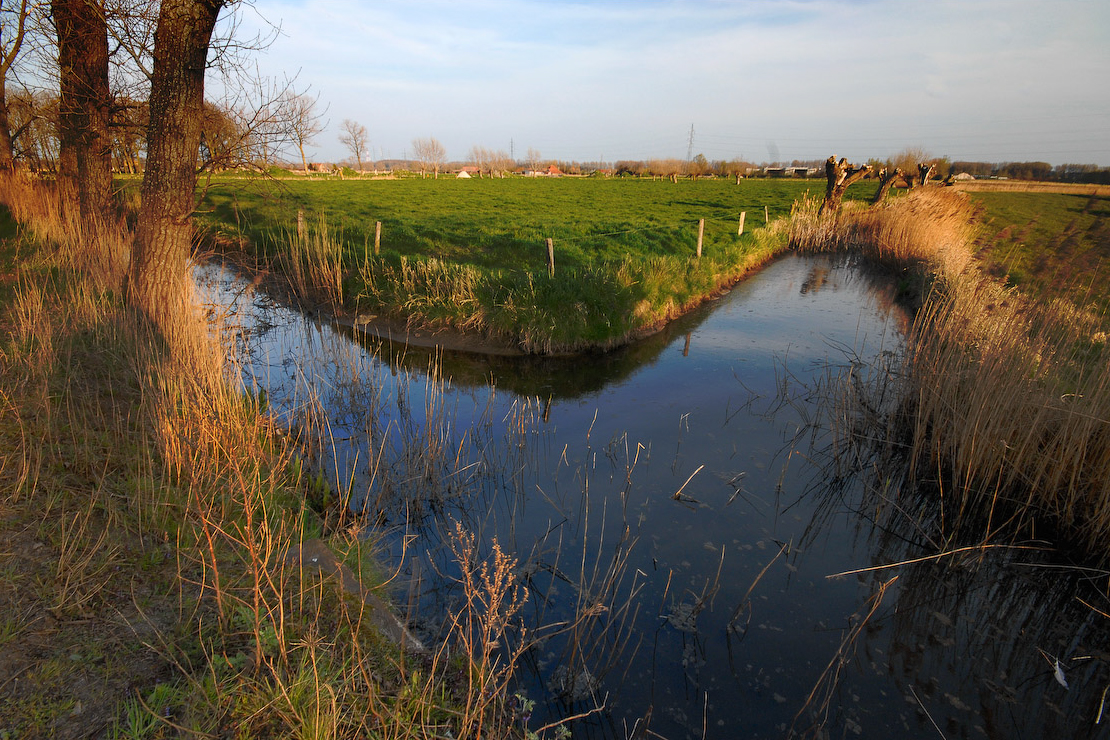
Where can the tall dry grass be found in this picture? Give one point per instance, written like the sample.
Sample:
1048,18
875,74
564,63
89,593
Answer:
312,261
125,441
928,230
1006,398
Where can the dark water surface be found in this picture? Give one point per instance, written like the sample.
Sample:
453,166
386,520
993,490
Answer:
685,496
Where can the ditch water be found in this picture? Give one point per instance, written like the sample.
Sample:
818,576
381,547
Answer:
680,513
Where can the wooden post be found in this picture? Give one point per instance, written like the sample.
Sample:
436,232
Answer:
551,257
302,229
766,217
701,234
377,237
740,228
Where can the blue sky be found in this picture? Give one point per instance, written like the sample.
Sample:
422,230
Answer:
990,80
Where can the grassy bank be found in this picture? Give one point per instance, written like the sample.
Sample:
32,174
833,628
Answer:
471,255
170,568
1005,396
1047,244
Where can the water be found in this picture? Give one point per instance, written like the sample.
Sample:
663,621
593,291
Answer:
685,495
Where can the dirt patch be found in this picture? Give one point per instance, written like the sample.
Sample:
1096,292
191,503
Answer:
66,673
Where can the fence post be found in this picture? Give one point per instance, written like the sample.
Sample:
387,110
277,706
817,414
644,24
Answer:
551,257
377,237
302,229
766,218
701,234
740,228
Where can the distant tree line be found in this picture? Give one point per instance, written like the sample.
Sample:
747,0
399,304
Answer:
1084,173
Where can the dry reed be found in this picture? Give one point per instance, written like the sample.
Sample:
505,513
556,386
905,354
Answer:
174,452
1006,398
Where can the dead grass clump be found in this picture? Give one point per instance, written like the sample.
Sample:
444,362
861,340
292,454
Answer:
928,229
165,506
1006,398
1012,404
312,261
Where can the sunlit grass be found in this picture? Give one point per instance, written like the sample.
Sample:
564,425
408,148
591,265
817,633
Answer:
471,255
1006,399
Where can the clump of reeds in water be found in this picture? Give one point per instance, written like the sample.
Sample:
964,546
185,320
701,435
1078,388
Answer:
1012,402
927,229
1005,397
312,261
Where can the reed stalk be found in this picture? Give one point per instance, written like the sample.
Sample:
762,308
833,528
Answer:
170,502
1005,398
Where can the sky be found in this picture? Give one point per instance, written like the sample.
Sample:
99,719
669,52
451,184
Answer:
760,80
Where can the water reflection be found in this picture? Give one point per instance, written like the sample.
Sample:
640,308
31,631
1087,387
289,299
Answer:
676,509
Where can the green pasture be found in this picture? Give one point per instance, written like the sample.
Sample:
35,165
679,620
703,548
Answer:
502,223
1048,244
471,254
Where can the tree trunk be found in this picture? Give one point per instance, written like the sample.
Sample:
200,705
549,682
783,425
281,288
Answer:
7,160
838,176
85,106
924,172
886,180
163,235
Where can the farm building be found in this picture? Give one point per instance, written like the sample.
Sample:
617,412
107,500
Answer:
789,171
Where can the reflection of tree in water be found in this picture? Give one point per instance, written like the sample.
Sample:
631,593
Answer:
970,638
816,279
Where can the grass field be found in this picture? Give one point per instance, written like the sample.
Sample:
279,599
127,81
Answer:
471,254
1048,244
503,223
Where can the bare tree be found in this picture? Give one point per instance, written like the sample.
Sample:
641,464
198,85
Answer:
304,123
922,172
480,157
908,159
887,176
260,118
419,151
533,160
838,176
33,117
737,168
437,154
500,162
697,167
163,235
668,168
353,136
430,153
9,50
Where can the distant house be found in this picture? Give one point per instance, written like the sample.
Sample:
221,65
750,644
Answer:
789,171
553,171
